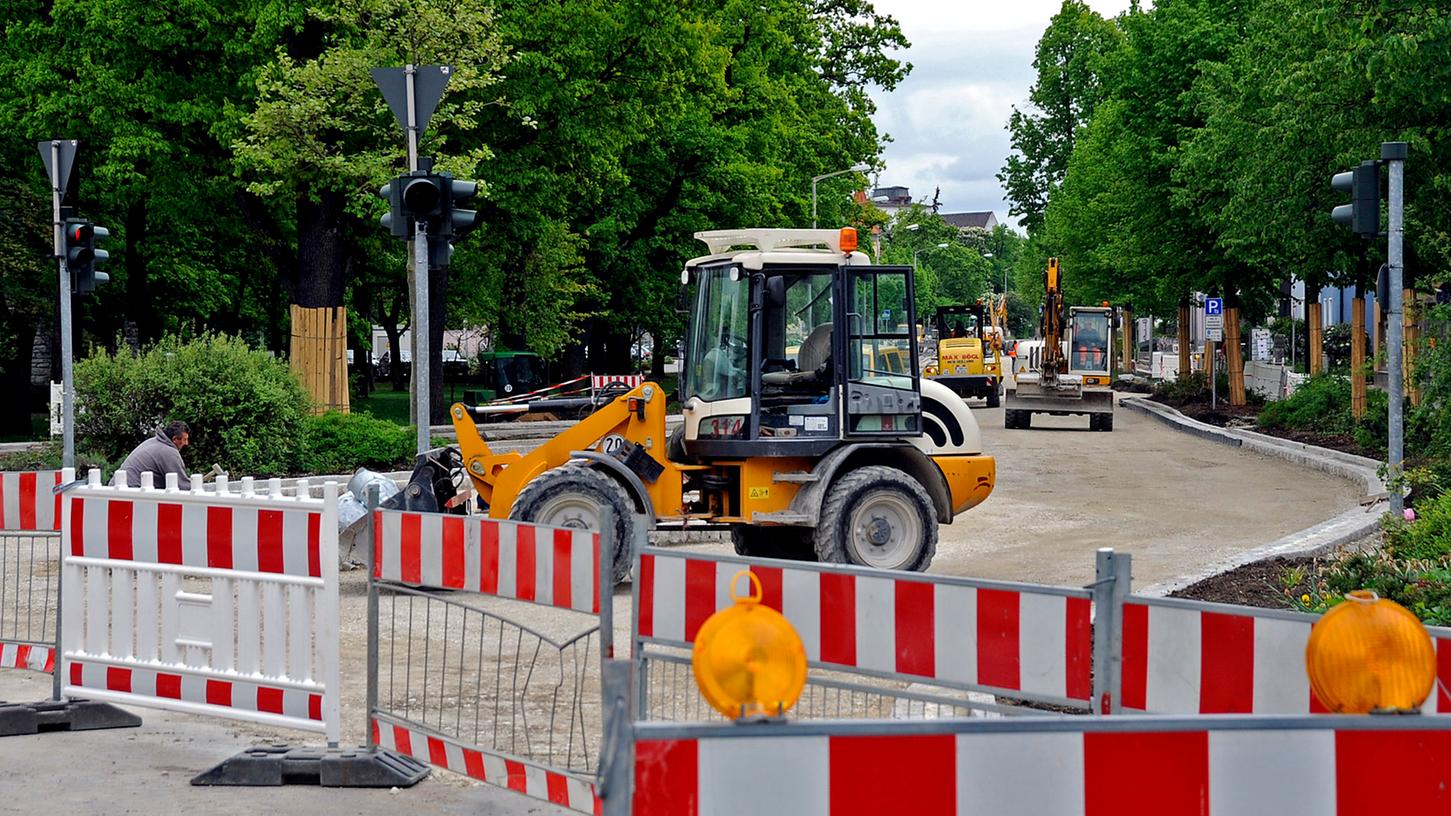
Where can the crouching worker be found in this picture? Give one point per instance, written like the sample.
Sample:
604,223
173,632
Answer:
160,455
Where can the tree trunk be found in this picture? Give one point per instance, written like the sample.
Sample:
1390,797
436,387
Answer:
15,378
1357,354
1185,367
1411,334
437,309
320,284
1126,333
1209,349
1234,356
1316,350
657,358
395,348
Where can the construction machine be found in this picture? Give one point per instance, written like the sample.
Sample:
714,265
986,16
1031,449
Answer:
806,428
1070,372
969,351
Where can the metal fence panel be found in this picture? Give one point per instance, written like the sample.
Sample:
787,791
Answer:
216,603
1019,640
1192,657
29,568
465,686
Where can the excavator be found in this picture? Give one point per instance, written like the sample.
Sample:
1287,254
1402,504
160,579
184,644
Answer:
969,351
807,430
1070,370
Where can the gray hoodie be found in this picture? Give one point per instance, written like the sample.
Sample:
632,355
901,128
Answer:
158,456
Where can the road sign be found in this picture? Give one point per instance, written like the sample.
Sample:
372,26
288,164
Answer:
1214,307
429,82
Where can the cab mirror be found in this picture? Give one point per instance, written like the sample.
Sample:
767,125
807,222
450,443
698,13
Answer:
776,291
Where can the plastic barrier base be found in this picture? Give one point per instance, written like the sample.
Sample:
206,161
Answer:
270,766
18,719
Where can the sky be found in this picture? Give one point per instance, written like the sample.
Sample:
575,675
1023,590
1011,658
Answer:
972,62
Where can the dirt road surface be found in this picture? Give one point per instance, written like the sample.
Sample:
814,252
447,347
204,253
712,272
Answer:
1176,502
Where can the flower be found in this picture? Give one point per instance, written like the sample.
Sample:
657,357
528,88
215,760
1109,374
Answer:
1409,514
1305,598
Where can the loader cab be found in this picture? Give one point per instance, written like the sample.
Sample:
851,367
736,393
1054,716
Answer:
794,344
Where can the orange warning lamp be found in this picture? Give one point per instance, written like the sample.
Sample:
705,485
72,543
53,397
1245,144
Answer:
1370,655
748,659
848,240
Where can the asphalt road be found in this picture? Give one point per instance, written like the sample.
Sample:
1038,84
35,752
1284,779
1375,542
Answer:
1176,502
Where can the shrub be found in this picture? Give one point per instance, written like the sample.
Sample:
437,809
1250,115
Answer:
340,443
48,457
1421,585
1429,536
245,407
1183,390
1321,403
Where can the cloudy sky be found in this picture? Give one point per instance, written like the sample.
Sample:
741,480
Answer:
972,62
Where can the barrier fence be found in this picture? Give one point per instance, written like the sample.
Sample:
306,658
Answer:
471,688
1078,765
204,602
935,636
1192,657
29,568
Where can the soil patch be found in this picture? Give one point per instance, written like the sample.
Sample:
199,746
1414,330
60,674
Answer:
1260,584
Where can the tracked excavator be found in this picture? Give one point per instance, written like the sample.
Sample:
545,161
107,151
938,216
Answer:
807,430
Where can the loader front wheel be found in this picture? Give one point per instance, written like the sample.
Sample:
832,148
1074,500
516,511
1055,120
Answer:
574,496
877,517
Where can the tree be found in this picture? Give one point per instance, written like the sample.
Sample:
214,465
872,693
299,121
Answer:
1068,60
321,140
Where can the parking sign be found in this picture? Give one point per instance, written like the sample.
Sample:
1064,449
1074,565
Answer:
1214,306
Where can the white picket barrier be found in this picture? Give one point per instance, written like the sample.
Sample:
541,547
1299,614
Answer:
205,602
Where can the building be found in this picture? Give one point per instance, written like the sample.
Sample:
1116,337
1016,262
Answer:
891,200
971,220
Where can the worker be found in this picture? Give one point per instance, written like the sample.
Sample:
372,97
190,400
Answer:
160,455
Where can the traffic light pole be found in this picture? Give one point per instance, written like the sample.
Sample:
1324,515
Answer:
67,387
420,328
1394,156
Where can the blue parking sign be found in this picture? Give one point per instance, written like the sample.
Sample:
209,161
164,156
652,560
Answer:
1214,306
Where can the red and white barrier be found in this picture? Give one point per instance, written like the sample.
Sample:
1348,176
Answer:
530,779
28,502
1195,658
1178,768
215,603
598,381
508,559
1003,637
27,656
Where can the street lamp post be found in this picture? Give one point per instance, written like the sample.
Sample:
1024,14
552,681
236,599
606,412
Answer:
915,253
858,168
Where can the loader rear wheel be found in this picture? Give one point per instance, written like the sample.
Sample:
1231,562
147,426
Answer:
572,496
787,543
877,517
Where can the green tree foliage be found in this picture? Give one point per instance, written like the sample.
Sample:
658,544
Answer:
1062,100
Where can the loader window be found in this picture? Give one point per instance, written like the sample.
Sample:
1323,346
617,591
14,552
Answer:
717,345
883,391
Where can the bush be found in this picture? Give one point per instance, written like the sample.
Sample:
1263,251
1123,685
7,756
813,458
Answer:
1183,390
1429,536
244,407
48,457
340,443
1321,403
1421,585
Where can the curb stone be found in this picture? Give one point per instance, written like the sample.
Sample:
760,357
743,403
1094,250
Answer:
1333,533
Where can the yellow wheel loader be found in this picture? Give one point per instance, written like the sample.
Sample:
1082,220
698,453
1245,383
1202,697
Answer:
806,430
1071,370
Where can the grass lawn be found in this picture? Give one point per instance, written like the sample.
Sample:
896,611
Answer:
385,403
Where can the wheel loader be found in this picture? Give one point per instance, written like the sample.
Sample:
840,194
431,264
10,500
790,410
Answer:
806,428
1071,371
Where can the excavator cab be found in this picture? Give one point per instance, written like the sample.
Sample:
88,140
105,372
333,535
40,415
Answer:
806,429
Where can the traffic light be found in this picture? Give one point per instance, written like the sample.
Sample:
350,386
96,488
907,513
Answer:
398,226
82,256
461,222
1362,214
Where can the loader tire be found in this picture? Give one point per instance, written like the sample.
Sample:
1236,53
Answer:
994,398
785,543
877,517
571,496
